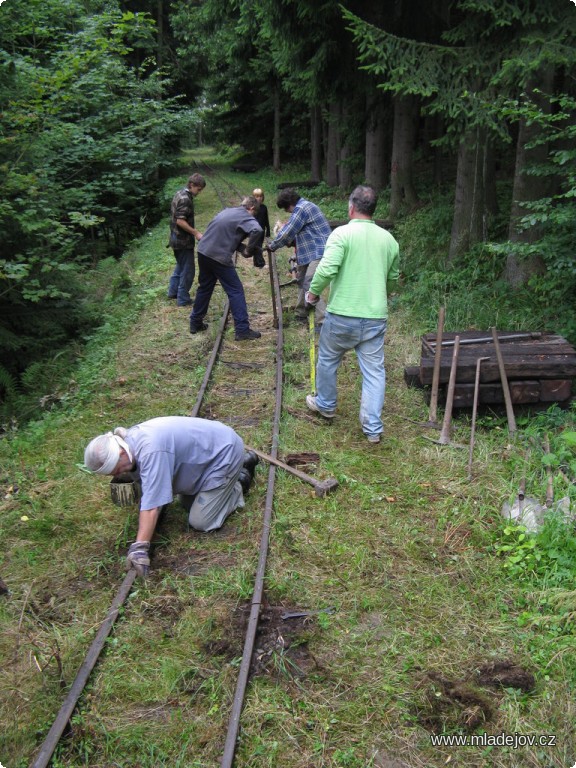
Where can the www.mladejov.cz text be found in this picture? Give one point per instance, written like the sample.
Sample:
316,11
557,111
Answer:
514,740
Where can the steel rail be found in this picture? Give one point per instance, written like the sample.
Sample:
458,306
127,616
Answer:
55,733
256,602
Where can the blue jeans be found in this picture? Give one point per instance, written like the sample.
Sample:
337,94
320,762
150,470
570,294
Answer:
182,277
210,272
366,337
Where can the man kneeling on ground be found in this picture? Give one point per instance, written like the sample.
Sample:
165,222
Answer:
203,461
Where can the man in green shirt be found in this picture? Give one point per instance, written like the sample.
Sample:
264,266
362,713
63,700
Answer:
360,263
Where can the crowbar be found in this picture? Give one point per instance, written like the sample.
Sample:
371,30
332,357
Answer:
485,339
504,382
550,481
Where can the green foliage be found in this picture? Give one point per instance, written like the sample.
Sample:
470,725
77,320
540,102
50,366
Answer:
558,426
547,557
84,137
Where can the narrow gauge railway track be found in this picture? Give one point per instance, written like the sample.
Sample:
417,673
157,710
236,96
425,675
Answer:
242,386
227,193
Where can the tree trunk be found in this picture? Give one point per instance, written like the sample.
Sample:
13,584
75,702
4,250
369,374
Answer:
401,179
159,33
528,188
333,151
315,143
475,193
375,170
344,167
276,137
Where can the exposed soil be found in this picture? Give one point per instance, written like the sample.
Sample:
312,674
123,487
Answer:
506,674
281,644
305,461
464,704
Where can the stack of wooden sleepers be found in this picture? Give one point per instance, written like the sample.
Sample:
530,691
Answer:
540,367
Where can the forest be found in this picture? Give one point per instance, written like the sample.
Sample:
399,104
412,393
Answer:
405,613
461,113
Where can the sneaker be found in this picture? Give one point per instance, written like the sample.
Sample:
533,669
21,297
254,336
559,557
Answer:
373,438
198,328
246,335
311,403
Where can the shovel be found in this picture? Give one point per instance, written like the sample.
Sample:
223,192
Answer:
444,438
432,422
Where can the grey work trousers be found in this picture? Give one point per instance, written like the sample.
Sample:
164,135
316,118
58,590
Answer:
209,509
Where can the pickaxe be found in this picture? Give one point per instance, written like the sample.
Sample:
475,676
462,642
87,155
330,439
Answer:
321,487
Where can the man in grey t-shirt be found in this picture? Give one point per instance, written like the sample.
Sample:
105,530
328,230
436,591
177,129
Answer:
203,461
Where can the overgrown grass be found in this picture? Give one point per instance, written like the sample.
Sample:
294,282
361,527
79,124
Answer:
407,555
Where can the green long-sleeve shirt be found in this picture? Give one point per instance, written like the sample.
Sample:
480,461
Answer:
360,264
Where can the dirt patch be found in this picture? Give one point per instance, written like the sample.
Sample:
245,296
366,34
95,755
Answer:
505,674
281,643
305,461
464,705
451,705
281,647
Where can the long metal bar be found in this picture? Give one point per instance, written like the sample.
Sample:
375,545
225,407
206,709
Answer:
272,290
550,477
54,734
504,382
256,604
485,339
211,360
474,411
444,438
433,412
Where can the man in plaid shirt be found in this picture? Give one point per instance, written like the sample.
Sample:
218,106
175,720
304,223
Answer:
308,230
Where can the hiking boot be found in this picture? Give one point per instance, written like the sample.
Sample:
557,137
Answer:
245,477
246,335
198,328
312,405
250,461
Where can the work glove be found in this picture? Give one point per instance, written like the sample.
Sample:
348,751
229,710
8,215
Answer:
243,251
259,259
138,558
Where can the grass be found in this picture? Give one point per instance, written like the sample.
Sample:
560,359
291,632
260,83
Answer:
405,554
